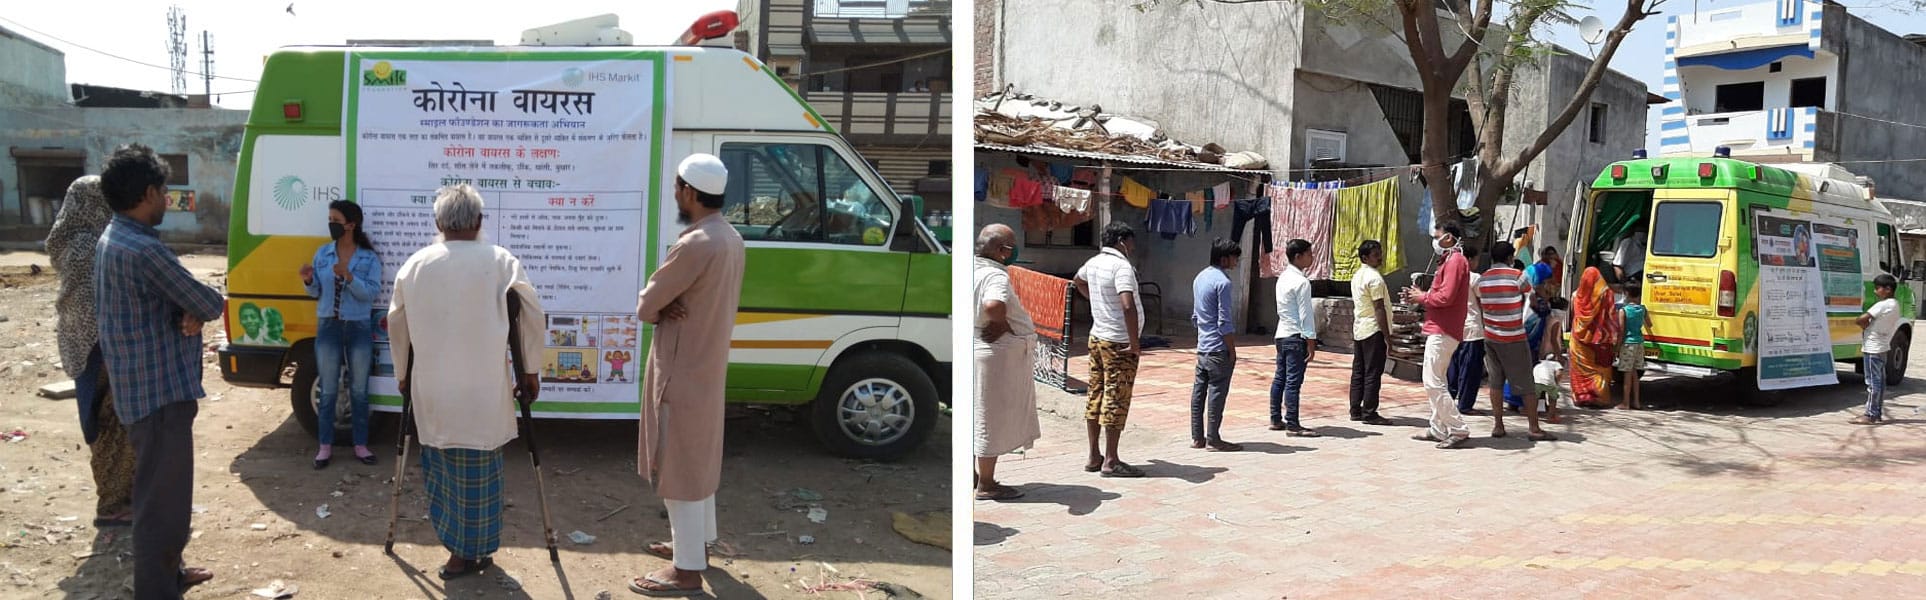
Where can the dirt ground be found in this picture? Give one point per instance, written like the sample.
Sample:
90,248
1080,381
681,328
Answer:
257,499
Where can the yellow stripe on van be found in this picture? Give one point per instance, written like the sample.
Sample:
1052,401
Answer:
684,58
752,63
812,120
758,318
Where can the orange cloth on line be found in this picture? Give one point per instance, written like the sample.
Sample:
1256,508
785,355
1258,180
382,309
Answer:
1196,202
1135,194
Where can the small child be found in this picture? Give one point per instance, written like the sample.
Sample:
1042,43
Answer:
1631,353
1545,379
1880,321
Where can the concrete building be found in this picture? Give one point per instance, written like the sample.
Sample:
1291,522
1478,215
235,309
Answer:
54,133
877,70
1797,81
1306,92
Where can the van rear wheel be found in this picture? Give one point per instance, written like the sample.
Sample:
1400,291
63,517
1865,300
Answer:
874,405
304,399
1896,358
1746,382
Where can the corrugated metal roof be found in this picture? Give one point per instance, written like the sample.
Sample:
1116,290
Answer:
1101,157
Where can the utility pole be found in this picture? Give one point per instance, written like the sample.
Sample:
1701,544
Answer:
207,65
177,48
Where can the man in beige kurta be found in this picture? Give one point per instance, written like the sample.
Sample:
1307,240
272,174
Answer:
692,301
1005,350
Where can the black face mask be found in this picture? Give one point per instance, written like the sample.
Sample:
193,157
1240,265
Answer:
336,230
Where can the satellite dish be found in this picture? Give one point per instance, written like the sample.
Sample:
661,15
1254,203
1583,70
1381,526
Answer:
1591,30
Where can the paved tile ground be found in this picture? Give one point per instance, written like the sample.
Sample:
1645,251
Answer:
1696,498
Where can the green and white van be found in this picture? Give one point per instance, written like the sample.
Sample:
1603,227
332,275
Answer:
846,299
1715,229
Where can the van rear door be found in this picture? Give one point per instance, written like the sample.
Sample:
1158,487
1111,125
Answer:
1690,285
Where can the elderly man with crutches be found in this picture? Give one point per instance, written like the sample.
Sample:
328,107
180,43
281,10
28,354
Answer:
449,318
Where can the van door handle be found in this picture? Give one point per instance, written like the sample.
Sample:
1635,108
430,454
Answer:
1655,277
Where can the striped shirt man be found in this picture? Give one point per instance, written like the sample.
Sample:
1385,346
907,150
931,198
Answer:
141,291
1502,293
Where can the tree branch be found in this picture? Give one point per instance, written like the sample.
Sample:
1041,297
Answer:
1635,11
1480,22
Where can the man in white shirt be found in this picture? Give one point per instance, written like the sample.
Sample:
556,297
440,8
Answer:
448,321
1629,254
1110,283
1296,339
1881,321
1004,348
1370,326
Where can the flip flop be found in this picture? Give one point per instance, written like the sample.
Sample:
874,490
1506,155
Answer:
1002,493
471,567
1498,433
661,589
193,576
1123,470
1092,467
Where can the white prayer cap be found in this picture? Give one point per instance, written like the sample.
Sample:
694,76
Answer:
705,173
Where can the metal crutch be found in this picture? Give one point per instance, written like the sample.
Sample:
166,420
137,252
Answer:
402,439
517,360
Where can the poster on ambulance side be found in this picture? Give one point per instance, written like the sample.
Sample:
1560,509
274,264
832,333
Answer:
1795,345
566,149
1836,243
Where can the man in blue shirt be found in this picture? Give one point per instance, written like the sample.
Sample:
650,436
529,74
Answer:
150,312
1216,345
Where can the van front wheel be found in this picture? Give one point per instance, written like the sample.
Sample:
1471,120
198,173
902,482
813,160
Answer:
1896,357
875,405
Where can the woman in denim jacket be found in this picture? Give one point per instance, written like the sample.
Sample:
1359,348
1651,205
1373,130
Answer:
346,277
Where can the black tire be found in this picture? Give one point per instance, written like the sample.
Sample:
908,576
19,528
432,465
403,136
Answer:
1897,357
860,378
1746,383
301,402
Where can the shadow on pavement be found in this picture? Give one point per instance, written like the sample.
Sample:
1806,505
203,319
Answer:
724,585
1344,433
1079,499
991,535
1160,469
1274,448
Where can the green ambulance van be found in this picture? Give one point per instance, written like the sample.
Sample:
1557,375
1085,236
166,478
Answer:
1750,270
846,299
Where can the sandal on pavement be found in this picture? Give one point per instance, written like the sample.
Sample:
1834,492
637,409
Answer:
999,493
1302,432
648,585
1376,421
1223,446
1451,443
1542,436
1123,470
1093,467
1497,433
469,567
1425,437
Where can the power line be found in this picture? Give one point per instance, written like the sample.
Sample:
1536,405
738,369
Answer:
112,55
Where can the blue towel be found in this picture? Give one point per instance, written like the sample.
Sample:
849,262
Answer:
1062,173
982,183
1169,218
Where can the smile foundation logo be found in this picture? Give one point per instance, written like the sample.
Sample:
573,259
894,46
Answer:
572,77
290,192
384,75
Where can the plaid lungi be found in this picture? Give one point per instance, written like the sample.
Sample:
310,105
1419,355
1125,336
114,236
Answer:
464,498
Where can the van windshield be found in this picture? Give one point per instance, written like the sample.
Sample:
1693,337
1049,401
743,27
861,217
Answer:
1686,229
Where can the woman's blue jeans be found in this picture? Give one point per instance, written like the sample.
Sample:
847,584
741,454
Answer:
338,339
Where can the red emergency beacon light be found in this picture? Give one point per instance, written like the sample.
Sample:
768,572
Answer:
709,27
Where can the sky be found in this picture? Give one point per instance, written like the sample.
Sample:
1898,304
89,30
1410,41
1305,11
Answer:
246,31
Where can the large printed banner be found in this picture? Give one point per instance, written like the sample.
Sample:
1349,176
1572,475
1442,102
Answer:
1839,266
566,151
1795,346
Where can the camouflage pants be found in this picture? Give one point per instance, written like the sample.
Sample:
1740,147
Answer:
1113,374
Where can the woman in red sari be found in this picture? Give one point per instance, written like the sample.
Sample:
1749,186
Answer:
1595,333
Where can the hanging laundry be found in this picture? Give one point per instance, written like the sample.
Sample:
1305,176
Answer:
1368,212
999,194
1025,193
1196,200
1248,210
1464,177
1050,217
1085,178
1062,173
1305,214
1221,194
1424,213
1072,200
982,183
1135,194
1170,218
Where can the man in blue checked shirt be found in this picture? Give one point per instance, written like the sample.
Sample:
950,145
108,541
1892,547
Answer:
1216,345
150,315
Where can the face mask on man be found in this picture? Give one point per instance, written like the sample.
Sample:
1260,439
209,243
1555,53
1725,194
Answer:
336,230
1012,258
1437,245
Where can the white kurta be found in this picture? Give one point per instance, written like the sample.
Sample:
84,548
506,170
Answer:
451,304
1005,407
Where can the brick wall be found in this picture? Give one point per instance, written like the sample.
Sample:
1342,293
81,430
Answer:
985,54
